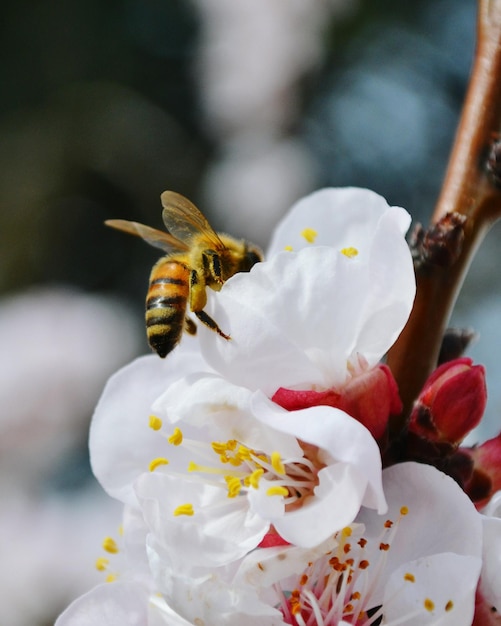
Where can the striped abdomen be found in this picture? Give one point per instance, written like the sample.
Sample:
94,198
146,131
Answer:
166,304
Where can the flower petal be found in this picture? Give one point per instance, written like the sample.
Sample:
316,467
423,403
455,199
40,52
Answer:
111,604
339,437
121,442
442,590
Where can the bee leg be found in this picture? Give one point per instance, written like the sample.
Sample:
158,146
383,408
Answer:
198,296
210,323
189,326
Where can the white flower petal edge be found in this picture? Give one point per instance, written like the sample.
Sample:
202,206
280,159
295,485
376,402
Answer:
339,217
120,441
490,581
115,604
299,319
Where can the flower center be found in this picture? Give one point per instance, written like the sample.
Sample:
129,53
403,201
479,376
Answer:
340,585
238,468
293,479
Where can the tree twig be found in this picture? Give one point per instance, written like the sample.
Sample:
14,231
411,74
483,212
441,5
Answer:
472,189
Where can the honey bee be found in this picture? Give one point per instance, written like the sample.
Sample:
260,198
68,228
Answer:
197,257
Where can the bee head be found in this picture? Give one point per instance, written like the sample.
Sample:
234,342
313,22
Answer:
252,255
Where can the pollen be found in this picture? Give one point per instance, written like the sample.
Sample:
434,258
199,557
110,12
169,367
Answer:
234,486
277,491
350,252
157,462
176,439
404,510
102,563
410,578
429,605
288,248
310,234
184,509
449,606
155,422
277,464
253,479
110,545
111,578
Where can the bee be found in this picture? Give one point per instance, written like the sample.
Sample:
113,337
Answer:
196,258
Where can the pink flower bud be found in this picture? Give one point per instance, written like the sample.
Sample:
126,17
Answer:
485,478
451,404
370,397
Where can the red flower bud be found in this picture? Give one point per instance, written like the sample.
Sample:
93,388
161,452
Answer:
485,478
370,397
451,404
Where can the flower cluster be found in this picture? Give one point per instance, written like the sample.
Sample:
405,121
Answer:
259,480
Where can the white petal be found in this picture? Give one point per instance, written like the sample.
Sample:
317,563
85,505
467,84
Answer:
296,320
121,442
111,604
440,518
221,530
490,581
449,581
335,505
224,409
341,217
212,596
339,437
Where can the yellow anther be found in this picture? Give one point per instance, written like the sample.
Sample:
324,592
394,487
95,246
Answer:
253,479
404,510
184,509
276,463
310,234
121,530
110,545
111,578
410,578
347,531
429,605
157,462
155,422
244,453
236,461
350,252
176,439
288,248
219,447
234,486
102,563
277,491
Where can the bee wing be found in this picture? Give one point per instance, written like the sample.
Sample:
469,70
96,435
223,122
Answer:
154,237
182,218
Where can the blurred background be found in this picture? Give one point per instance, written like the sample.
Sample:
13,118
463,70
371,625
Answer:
241,106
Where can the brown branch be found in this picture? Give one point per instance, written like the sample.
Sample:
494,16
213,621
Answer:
471,189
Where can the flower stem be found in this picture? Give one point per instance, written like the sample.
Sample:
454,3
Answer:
472,189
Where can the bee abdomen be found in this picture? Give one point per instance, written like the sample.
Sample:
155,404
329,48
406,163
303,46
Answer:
166,305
